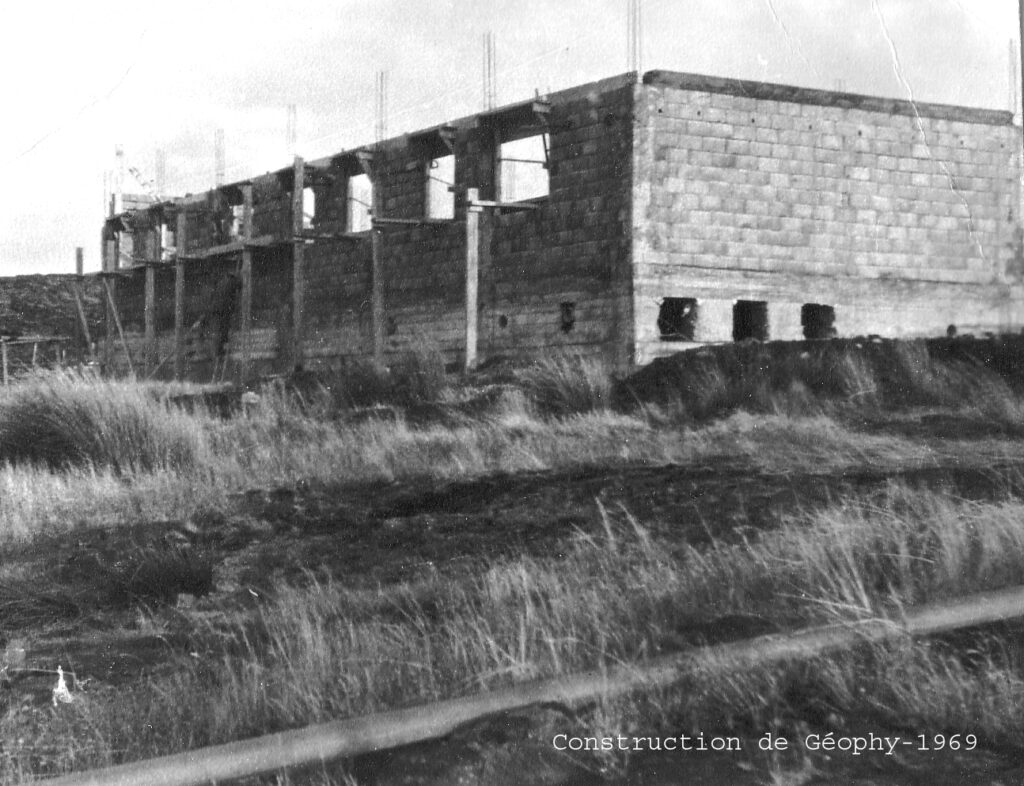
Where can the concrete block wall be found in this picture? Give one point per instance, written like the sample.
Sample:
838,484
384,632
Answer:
576,248
573,249
902,218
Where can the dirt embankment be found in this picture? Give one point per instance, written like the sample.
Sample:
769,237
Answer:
709,381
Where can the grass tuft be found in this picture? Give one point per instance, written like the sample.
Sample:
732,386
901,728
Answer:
567,384
67,419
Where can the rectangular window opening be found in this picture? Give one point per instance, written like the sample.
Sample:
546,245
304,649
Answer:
237,213
677,319
750,320
440,179
360,202
308,207
523,169
818,321
167,249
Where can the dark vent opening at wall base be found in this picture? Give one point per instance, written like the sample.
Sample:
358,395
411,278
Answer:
818,321
750,320
677,319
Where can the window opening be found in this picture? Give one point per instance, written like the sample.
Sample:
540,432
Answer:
308,207
818,321
677,319
523,169
237,213
440,179
360,201
750,320
167,249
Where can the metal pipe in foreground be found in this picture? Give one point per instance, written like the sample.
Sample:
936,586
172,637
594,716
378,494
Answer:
384,730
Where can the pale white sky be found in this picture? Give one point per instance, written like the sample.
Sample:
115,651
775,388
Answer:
81,78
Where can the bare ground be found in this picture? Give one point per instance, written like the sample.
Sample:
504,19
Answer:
365,535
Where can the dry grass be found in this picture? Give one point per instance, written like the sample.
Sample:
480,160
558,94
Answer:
567,384
847,376
65,419
323,651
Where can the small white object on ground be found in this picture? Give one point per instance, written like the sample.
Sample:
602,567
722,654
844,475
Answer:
61,692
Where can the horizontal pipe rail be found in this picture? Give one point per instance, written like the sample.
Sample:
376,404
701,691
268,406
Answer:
371,733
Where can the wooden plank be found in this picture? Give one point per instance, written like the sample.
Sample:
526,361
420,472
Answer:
108,285
110,253
472,277
150,318
377,291
245,306
416,222
384,730
298,265
180,236
376,258
81,316
507,205
76,290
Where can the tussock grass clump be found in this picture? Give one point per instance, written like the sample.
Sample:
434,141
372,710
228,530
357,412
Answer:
66,419
412,378
567,384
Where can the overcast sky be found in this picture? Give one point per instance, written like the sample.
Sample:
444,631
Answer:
82,78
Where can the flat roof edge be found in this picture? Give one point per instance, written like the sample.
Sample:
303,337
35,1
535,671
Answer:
768,91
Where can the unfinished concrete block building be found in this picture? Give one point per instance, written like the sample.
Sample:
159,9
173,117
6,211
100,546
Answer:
628,218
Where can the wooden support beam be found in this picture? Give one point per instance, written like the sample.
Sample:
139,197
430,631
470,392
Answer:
298,265
414,222
245,304
81,316
472,276
109,265
150,319
180,229
108,285
515,206
76,290
377,289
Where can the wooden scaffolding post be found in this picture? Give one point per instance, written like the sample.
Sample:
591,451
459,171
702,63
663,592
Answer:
150,316
76,288
377,291
245,307
377,274
298,264
112,301
110,252
180,229
473,211
365,158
